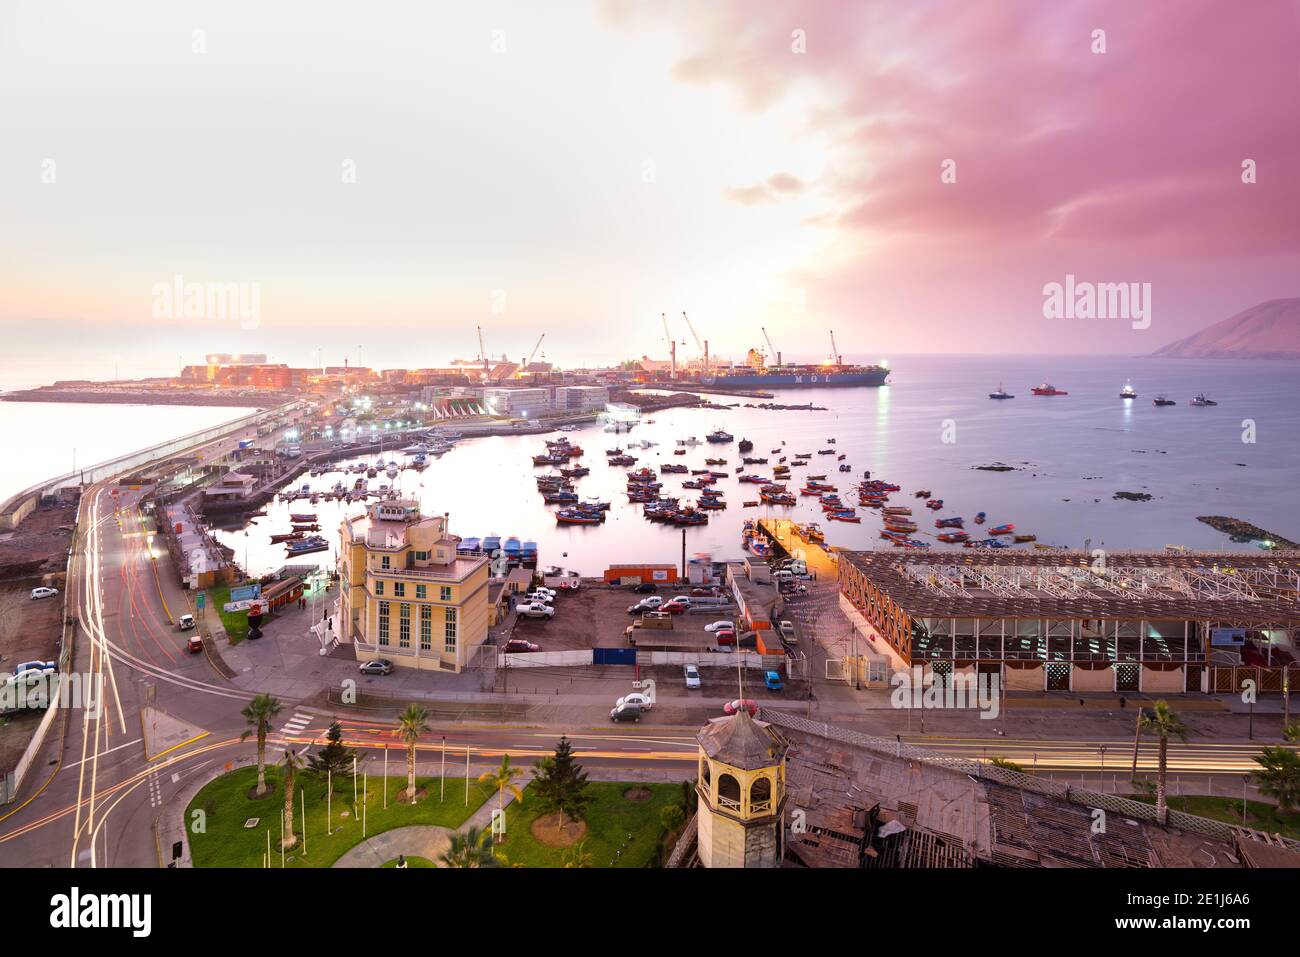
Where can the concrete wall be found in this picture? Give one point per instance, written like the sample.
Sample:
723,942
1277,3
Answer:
1086,679
1026,679
1158,680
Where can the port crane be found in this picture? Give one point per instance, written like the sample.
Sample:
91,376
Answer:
776,356
529,360
835,352
482,352
704,350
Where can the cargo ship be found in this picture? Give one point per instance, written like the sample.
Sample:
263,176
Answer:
797,377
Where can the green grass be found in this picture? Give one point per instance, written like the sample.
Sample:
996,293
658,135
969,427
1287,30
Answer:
610,818
1264,817
235,623
410,862
226,805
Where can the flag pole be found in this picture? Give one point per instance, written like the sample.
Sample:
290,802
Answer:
442,774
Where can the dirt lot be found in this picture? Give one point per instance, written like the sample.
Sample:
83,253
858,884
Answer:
595,617
28,629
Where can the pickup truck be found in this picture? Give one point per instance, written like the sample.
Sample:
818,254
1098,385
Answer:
536,609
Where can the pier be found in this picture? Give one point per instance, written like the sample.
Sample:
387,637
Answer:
820,560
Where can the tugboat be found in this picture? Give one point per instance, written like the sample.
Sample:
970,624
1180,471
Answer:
1128,392
1163,400
1201,400
745,445
719,436
1001,393
1046,388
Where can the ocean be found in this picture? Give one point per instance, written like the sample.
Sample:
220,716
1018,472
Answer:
929,429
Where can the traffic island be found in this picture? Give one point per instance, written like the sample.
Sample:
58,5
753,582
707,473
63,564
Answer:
228,829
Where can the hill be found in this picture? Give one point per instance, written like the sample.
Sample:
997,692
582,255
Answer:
1270,330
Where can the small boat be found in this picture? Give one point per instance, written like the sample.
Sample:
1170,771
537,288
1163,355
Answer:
949,522
679,451
752,461
313,544
745,445
1128,392
749,504
1201,400
715,461
719,436
1046,388
286,537
1001,393
302,516
574,516
672,468
923,493
935,503
1026,538
825,451
846,467
979,518
1163,400
953,537
1006,529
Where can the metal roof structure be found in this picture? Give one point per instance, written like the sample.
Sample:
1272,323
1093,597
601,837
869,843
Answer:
1132,585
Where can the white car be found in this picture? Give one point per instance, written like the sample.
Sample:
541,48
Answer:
44,592
542,590
646,604
683,600
692,677
536,610
720,626
637,698
543,597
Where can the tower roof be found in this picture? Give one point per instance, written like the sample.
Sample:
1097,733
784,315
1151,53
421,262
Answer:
741,742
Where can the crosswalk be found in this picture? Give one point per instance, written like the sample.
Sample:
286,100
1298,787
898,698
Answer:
294,725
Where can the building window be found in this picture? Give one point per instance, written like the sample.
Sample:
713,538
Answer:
449,632
444,593
399,589
379,588
383,622
426,628
421,591
421,556
404,626
385,562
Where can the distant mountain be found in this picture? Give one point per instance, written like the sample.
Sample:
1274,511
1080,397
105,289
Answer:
1270,330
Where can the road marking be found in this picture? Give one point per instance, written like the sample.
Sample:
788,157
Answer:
111,750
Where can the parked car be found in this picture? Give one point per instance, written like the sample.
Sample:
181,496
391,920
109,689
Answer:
40,667
635,698
787,629
543,597
645,604
692,677
675,607
627,712
377,666
195,645
772,681
645,588
185,623
734,707
44,592
518,646
543,590
536,609
721,626
725,637
683,600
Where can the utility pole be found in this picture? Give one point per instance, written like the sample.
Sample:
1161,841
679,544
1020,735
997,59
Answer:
1137,739
684,553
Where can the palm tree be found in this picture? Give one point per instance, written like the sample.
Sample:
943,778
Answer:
579,856
470,848
258,714
1279,776
502,779
411,723
1165,722
291,765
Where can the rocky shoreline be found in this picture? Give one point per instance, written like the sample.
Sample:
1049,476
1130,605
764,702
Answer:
1243,531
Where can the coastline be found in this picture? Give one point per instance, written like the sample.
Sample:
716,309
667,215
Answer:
260,400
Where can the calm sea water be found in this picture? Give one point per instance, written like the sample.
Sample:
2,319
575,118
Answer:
46,438
1071,453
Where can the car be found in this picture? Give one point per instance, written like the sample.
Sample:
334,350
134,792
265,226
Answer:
682,599
642,701
627,712
195,645
735,707
40,667
44,592
692,677
185,623
721,626
725,637
772,681
542,597
542,590
536,609
674,607
645,588
645,604
377,666
518,645
787,629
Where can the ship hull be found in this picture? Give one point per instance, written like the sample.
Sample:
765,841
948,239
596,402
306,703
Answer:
797,380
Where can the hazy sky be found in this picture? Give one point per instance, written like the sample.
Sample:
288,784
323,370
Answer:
391,175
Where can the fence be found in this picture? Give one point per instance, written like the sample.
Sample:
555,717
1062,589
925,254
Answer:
589,656
991,772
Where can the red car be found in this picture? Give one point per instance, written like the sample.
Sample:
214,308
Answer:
725,637
518,645
675,607
195,645
733,707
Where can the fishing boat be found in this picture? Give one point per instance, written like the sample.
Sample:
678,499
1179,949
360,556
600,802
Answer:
689,442
752,461
679,451
715,461
846,467
672,467
302,516
923,493
689,516
1201,400
897,510
949,522
1128,392
1001,393
719,436
979,518
1163,400
753,479
1006,529
315,543
825,451
1026,538
745,445
1046,388
816,478
953,537
573,516
845,516
935,503
749,504
286,537
813,532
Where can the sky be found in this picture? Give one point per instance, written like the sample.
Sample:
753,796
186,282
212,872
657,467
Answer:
379,180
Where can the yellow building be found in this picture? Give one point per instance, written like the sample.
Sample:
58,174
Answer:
406,595
741,786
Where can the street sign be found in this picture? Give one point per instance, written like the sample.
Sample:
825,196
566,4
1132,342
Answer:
200,601
245,592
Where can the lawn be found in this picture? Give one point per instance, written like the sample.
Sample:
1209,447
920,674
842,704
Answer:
228,843
610,818
1263,817
235,623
